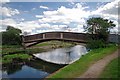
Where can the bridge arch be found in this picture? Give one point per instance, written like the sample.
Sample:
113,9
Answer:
66,36
61,36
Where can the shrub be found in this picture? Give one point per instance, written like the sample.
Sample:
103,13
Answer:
93,44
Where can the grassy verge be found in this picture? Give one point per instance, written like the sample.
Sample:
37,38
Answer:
111,70
77,68
11,52
6,49
9,58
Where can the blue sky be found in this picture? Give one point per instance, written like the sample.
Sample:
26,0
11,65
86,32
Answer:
38,17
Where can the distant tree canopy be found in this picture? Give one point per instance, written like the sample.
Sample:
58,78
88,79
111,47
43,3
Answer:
100,29
11,36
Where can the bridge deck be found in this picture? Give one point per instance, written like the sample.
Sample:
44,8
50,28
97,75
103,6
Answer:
66,36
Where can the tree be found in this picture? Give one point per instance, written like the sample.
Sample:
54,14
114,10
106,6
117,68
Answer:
99,26
99,29
11,36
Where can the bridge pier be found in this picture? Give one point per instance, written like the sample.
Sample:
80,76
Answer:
43,36
61,35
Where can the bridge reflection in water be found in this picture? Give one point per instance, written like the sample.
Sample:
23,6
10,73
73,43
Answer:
63,56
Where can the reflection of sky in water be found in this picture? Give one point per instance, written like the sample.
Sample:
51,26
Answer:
26,72
63,56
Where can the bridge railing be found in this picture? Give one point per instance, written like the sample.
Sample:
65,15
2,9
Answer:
66,36
55,35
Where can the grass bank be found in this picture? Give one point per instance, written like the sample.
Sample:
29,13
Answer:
10,58
77,68
111,70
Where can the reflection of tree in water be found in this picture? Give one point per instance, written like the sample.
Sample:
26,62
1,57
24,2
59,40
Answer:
11,68
36,64
44,66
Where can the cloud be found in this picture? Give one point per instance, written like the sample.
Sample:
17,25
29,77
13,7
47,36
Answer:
44,7
22,19
7,22
4,1
8,11
39,16
109,11
66,15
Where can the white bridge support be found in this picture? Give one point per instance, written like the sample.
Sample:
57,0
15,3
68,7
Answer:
43,36
61,35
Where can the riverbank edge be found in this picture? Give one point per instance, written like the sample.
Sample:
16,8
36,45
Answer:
50,76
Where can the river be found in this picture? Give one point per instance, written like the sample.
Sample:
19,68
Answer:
45,64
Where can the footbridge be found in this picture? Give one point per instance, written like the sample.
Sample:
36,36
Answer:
62,36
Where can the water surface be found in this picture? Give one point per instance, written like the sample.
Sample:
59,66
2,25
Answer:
63,55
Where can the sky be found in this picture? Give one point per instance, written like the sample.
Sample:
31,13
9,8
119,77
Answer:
69,16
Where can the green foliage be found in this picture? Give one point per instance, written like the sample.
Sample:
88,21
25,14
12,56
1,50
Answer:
6,49
9,58
34,50
99,28
93,44
111,70
98,25
79,67
11,36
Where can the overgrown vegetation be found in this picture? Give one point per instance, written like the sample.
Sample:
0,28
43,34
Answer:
10,58
111,70
93,44
77,68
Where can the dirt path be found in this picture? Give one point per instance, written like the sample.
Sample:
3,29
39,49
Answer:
95,70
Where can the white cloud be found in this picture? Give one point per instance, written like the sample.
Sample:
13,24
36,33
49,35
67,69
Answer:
109,11
4,1
7,22
66,15
8,11
39,16
44,7
22,19
28,26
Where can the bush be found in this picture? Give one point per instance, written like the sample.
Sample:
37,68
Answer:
93,44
